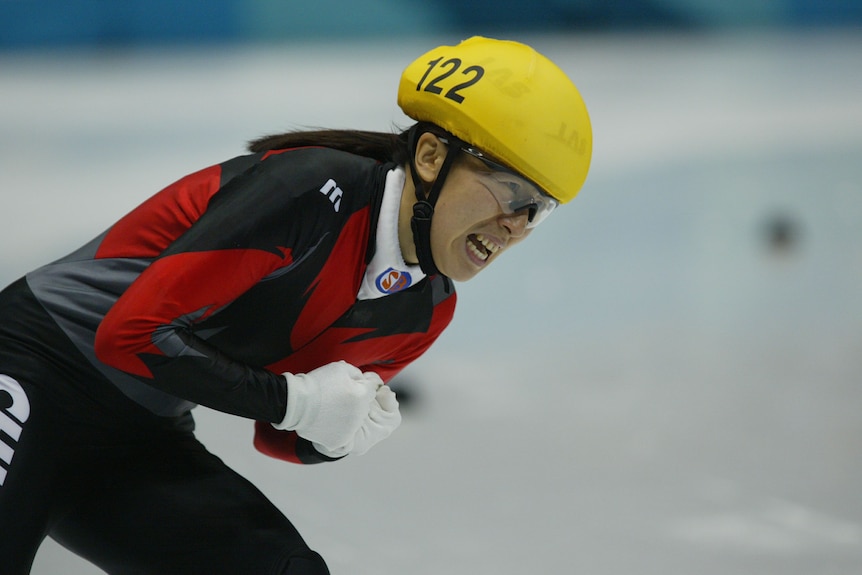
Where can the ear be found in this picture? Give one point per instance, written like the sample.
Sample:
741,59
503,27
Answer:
430,153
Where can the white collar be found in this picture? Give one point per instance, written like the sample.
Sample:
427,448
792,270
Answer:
388,273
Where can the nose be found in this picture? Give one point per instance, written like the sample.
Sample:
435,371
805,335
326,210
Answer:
515,224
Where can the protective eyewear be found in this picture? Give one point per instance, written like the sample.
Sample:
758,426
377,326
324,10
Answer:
512,191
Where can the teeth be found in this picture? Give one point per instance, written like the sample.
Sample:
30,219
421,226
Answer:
489,245
477,252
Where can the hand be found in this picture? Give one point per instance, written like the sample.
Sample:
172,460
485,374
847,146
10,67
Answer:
329,405
382,420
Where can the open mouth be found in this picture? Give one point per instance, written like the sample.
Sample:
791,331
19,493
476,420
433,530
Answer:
481,247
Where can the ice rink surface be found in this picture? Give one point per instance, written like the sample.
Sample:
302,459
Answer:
666,379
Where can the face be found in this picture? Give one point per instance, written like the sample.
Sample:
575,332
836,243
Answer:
469,229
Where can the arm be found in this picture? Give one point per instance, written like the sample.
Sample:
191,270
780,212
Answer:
405,348
245,231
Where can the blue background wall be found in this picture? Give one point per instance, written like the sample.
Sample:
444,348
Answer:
60,23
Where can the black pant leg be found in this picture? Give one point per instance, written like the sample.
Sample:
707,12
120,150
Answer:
30,477
171,507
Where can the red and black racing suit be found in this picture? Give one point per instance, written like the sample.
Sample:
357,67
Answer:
204,294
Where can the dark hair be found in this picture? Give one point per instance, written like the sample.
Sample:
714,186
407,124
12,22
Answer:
381,146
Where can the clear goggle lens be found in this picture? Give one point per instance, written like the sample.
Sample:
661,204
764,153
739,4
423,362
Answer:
515,193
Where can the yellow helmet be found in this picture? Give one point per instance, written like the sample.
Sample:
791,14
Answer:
509,101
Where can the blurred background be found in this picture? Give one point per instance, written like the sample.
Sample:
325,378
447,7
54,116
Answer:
108,24
666,379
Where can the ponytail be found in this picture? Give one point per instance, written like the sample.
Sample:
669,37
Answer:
381,146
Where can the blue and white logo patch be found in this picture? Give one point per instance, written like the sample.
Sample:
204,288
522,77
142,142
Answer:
392,281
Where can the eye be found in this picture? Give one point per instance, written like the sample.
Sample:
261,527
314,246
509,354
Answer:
511,187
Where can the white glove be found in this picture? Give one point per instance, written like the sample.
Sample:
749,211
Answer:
382,420
335,405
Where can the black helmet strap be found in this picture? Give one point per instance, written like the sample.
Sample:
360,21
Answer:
423,209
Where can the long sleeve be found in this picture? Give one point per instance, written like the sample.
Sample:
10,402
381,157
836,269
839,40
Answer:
249,229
